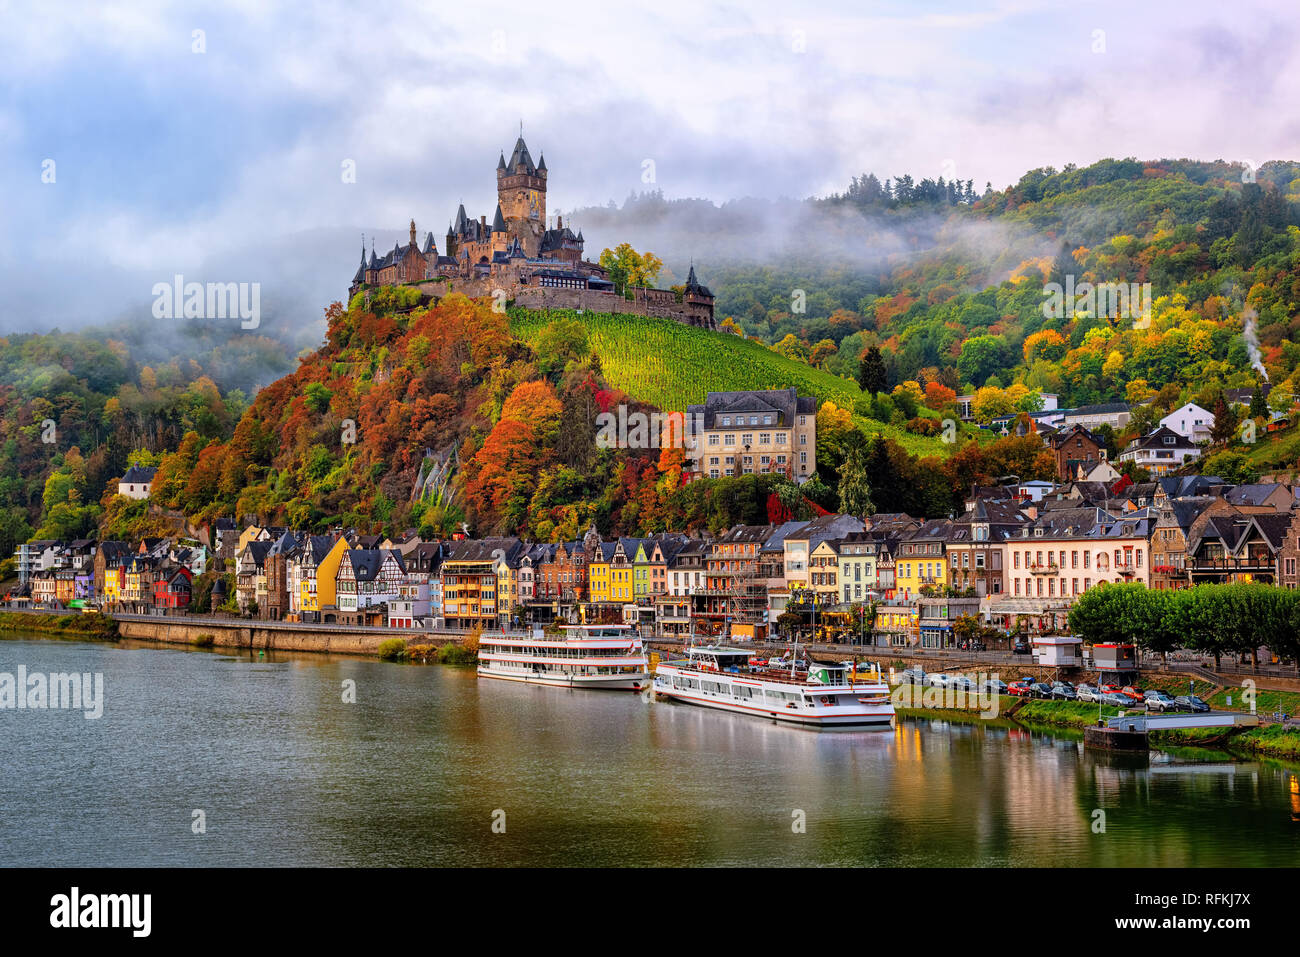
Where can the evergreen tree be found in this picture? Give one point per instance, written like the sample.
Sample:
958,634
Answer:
872,376
855,490
1258,405
1225,423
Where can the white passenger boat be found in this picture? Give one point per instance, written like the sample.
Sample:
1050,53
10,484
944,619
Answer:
819,694
585,656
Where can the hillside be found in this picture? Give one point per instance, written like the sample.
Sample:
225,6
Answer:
671,366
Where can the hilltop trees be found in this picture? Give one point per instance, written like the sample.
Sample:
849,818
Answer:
627,267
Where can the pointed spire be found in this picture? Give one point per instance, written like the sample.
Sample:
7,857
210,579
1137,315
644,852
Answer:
412,231
541,166
501,163
498,221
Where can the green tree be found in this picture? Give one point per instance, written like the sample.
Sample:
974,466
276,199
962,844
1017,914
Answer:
855,489
872,376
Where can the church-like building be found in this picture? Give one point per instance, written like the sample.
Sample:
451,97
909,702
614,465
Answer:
535,265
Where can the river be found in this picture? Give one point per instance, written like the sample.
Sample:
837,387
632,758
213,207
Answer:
431,766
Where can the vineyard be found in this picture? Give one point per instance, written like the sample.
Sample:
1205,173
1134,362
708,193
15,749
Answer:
671,365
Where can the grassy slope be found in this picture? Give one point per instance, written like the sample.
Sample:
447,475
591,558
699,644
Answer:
671,366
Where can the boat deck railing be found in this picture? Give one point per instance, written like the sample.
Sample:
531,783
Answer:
781,677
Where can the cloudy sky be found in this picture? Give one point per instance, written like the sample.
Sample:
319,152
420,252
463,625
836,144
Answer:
220,155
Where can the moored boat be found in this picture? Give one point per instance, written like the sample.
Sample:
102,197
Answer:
806,692
611,657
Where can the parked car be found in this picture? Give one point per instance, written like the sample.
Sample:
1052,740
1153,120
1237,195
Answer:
1021,688
1086,692
1159,701
912,676
1115,699
1190,702
1133,694
964,682
938,680
1063,691
1041,689
995,686
1020,648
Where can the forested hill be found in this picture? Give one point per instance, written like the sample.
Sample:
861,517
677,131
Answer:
949,282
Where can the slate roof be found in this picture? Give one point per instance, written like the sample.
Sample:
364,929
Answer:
782,404
139,475
1253,494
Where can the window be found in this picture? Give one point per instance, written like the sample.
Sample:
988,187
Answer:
729,439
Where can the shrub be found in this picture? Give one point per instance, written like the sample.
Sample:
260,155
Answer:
204,640
392,649
454,654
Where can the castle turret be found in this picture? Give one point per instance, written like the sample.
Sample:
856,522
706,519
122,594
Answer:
699,301
521,194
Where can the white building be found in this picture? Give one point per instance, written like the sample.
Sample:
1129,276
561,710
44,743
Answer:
137,481
1191,422
1057,651
1162,451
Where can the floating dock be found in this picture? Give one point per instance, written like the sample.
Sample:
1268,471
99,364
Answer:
1129,732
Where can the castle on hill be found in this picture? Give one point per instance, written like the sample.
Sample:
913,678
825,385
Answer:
536,266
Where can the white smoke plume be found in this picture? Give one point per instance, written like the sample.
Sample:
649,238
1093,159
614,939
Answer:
1251,335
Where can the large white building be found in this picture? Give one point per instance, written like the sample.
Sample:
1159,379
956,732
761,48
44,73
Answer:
751,433
1161,451
1191,422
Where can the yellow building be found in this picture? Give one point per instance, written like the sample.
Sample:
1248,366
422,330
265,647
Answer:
919,561
326,573
598,573
824,573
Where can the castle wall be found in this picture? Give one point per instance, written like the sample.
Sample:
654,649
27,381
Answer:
545,297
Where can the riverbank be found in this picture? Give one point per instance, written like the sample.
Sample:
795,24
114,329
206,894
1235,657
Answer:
94,627
236,634
1266,740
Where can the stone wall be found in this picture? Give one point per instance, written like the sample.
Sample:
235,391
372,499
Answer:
253,636
545,297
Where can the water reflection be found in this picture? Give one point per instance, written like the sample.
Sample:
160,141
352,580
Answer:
411,774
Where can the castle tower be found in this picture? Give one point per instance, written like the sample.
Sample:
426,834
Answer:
521,193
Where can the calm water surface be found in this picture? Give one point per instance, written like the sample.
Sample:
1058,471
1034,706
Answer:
412,773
